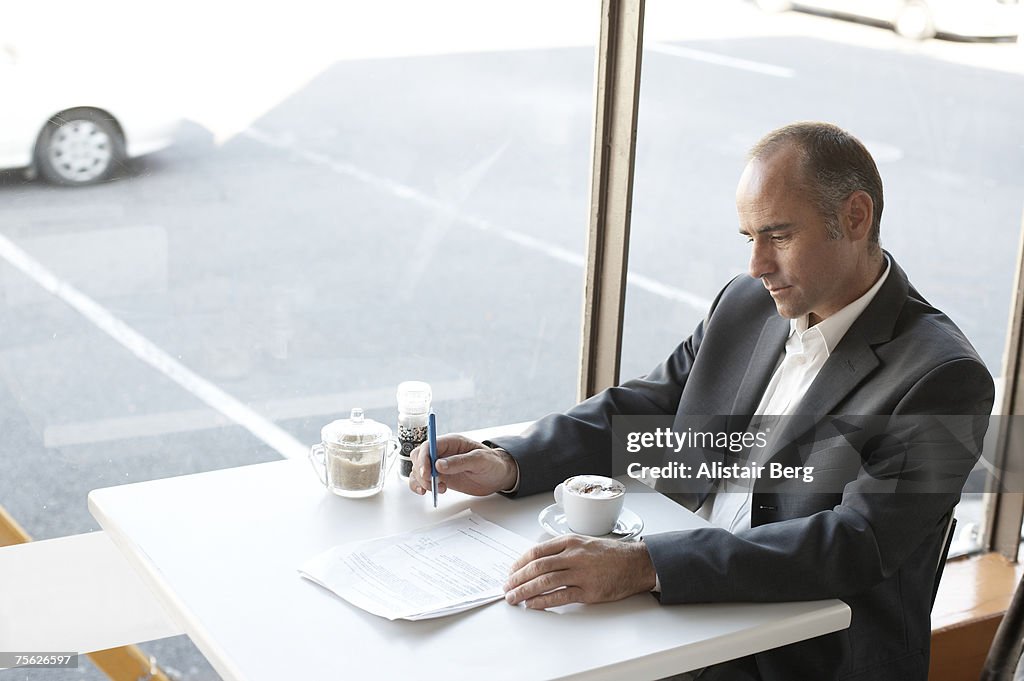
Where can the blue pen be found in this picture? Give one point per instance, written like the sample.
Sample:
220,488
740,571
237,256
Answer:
432,437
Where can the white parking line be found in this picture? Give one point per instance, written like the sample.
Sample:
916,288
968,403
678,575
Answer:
450,210
190,420
140,346
722,60
695,301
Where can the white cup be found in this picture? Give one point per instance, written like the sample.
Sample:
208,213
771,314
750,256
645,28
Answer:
591,503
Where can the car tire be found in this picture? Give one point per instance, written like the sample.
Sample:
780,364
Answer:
79,147
914,21
773,6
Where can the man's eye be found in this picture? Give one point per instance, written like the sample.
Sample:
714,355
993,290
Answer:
779,238
750,239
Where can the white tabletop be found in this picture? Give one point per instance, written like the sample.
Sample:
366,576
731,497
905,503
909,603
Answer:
220,551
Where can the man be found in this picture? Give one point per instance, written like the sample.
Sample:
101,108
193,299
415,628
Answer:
826,324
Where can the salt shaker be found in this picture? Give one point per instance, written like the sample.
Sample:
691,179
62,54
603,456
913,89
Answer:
413,407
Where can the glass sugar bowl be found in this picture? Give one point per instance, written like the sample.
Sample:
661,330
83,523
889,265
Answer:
354,455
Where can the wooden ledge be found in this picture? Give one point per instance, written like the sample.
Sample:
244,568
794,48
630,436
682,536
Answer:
973,596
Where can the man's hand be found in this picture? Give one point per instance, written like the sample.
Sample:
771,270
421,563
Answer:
463,465
577,569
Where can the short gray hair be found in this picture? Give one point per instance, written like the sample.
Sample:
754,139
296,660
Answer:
835,164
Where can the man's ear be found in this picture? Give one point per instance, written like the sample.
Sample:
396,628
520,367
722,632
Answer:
858,211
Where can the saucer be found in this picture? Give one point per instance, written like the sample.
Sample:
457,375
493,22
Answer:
628,526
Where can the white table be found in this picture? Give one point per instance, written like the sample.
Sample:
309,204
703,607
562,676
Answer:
220,551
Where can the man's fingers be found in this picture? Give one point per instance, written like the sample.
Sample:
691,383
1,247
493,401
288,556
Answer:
533,570
548,548
449,445
415,481
458,452
549,581
570,594
417,456
461,463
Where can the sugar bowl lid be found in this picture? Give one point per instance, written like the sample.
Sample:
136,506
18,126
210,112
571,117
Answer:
355,431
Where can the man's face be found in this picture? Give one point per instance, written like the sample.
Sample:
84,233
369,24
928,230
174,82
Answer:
805,271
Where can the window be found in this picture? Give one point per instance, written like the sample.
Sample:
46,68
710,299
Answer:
356,194
940,118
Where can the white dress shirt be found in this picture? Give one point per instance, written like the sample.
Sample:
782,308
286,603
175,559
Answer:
806,350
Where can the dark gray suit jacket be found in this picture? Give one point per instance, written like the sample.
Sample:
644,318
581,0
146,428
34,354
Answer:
876,551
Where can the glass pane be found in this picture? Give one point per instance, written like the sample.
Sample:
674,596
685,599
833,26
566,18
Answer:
307,203
942,118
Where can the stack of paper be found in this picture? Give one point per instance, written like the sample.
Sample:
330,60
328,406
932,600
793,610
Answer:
433,571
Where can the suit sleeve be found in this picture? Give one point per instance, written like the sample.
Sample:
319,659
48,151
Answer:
855,545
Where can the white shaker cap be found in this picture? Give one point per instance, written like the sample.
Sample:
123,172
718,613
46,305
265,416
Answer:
414,397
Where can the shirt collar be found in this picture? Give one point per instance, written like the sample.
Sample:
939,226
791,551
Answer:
835,326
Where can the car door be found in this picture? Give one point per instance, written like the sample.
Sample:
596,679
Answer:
882,10
22,113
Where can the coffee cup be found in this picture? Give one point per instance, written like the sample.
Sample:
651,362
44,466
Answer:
591,503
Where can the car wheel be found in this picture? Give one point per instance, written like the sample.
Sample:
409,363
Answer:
79,147
915,21
773,6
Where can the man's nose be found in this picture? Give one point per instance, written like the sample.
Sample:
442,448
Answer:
761,263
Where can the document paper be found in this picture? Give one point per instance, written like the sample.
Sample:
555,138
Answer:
432,571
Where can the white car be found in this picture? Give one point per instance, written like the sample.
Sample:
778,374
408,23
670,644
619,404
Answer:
922,19
70,127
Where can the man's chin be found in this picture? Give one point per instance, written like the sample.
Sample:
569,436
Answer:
789,311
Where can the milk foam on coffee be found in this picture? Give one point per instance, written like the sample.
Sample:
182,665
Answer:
595,487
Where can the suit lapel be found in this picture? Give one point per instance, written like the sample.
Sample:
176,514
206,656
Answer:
758,372
854,358
850,364
760,367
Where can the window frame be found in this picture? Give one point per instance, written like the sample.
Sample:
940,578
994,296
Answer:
1004,511
613,156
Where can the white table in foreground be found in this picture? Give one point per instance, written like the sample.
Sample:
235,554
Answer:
221,551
